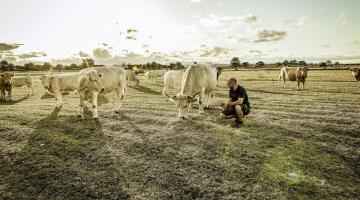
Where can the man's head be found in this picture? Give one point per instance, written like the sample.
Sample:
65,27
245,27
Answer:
231,82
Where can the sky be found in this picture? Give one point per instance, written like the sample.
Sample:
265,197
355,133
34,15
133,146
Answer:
140,31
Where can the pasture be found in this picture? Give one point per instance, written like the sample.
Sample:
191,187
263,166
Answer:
295,144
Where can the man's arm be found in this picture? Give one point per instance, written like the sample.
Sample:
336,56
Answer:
237,102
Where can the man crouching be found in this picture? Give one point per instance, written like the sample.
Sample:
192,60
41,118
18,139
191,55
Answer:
238,103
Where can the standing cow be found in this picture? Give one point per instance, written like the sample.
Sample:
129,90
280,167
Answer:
172,80
60,83
20,81
6,84
111,79
298,74
131,77
198,79
356,73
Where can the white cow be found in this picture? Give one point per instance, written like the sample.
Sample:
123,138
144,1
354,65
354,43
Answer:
60,83
111,79
131,77
152,75
20,81
198,79
172,80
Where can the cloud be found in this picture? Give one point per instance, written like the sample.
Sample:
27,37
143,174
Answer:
105,44
355,43
214,51
145,46
342,18
8,46
255,52
195,1
270,36
101,53
130,37
326,46
83,54
250,18
32,55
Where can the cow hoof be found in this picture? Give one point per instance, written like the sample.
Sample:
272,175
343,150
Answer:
117,111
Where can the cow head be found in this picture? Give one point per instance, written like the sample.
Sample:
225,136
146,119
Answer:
303,71
354,70
46,80
92,82
183,103
7,78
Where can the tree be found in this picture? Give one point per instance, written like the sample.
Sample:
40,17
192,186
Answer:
301,62
87,62
322,64
293,62
46,66
245,64
285,62
153,65
29,66
328,62
278,64
59,67
336,63
259,64
235,63
4,65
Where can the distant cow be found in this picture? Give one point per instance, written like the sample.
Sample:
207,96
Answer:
6,84
131,77
20,81
172,80
298,74
356,73
152,75
198,79
60,83
107,80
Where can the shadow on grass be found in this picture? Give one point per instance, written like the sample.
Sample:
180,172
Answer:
12,102
64,158
146,90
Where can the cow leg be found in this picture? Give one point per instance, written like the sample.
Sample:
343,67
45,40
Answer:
120,94
9,94
201,99
284,86
58,99
303,83
94,96
208,100
3,95
81,110
298,84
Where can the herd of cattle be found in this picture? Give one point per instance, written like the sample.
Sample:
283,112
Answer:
197,80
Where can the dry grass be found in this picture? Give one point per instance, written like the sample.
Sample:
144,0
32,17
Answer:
295,145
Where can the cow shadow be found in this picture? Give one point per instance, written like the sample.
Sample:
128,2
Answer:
146,90
63,155
12,102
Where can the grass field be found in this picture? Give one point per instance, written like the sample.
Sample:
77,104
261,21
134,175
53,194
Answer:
295,144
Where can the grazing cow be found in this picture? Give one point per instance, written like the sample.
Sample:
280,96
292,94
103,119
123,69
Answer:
198,79
152,75
131,77
172,80
60,83
356,73
298,74
6,84
19,81
107,80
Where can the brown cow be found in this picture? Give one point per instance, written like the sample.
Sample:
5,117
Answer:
298,74
6,84
356,73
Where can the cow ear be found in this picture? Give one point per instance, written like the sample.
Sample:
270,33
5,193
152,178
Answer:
2,75
100,75
51,77
12,74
